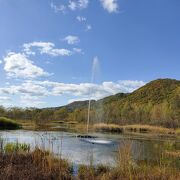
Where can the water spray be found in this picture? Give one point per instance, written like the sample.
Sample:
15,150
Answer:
94,70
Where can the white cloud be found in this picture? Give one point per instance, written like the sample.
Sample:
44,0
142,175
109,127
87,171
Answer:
46,48
48,88
110,5
0,61
83,4
81,18
36,90
76,99
72,5
88,27
19,66
83,89
59,8
130,85
31,101
26,88
78,4
4,99
72,39
78,50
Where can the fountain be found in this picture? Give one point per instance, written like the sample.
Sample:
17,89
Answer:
89,138
95,66
94,70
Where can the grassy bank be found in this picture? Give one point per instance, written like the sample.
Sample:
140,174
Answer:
135,128
8,124
111,128
20,163
17,163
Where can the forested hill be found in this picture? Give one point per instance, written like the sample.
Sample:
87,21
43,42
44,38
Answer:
156,103
156,92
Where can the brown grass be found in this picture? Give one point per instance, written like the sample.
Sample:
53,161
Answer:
38,164
134,128
175,154
108,128
128,169
149,128
42,165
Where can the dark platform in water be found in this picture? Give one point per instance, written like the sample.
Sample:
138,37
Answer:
86,136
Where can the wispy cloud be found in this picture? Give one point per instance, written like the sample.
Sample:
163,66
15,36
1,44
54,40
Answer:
110,5
81,18
31,101
37,90
78,50
58,8
88,27
71,5
4,98
72,39
78,4
46,48
5,101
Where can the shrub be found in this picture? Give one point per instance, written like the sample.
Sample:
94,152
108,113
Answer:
8,124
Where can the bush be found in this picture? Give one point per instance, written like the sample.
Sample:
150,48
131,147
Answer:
8,124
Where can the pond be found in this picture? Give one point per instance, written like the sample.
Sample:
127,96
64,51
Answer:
101,150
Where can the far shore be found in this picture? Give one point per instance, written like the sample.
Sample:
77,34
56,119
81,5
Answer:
133,129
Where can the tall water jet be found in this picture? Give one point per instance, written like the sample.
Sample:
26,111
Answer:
95,67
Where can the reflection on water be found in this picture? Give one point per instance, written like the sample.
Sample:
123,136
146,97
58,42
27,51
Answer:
81,151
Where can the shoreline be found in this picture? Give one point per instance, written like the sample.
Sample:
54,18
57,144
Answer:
133,129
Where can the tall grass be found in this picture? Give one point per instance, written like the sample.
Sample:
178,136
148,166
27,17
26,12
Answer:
108,128
133,128
127,168
40,164
16,148
8,124
31,165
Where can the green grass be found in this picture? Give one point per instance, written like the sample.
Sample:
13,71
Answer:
16,147
8,124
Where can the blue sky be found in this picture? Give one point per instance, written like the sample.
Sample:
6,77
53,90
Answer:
47,48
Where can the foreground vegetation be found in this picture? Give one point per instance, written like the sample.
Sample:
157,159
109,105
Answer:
17,163
8,124
127,168
20,163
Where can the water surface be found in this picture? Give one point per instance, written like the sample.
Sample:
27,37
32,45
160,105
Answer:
102,150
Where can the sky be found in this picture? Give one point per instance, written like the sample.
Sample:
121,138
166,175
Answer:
54,52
